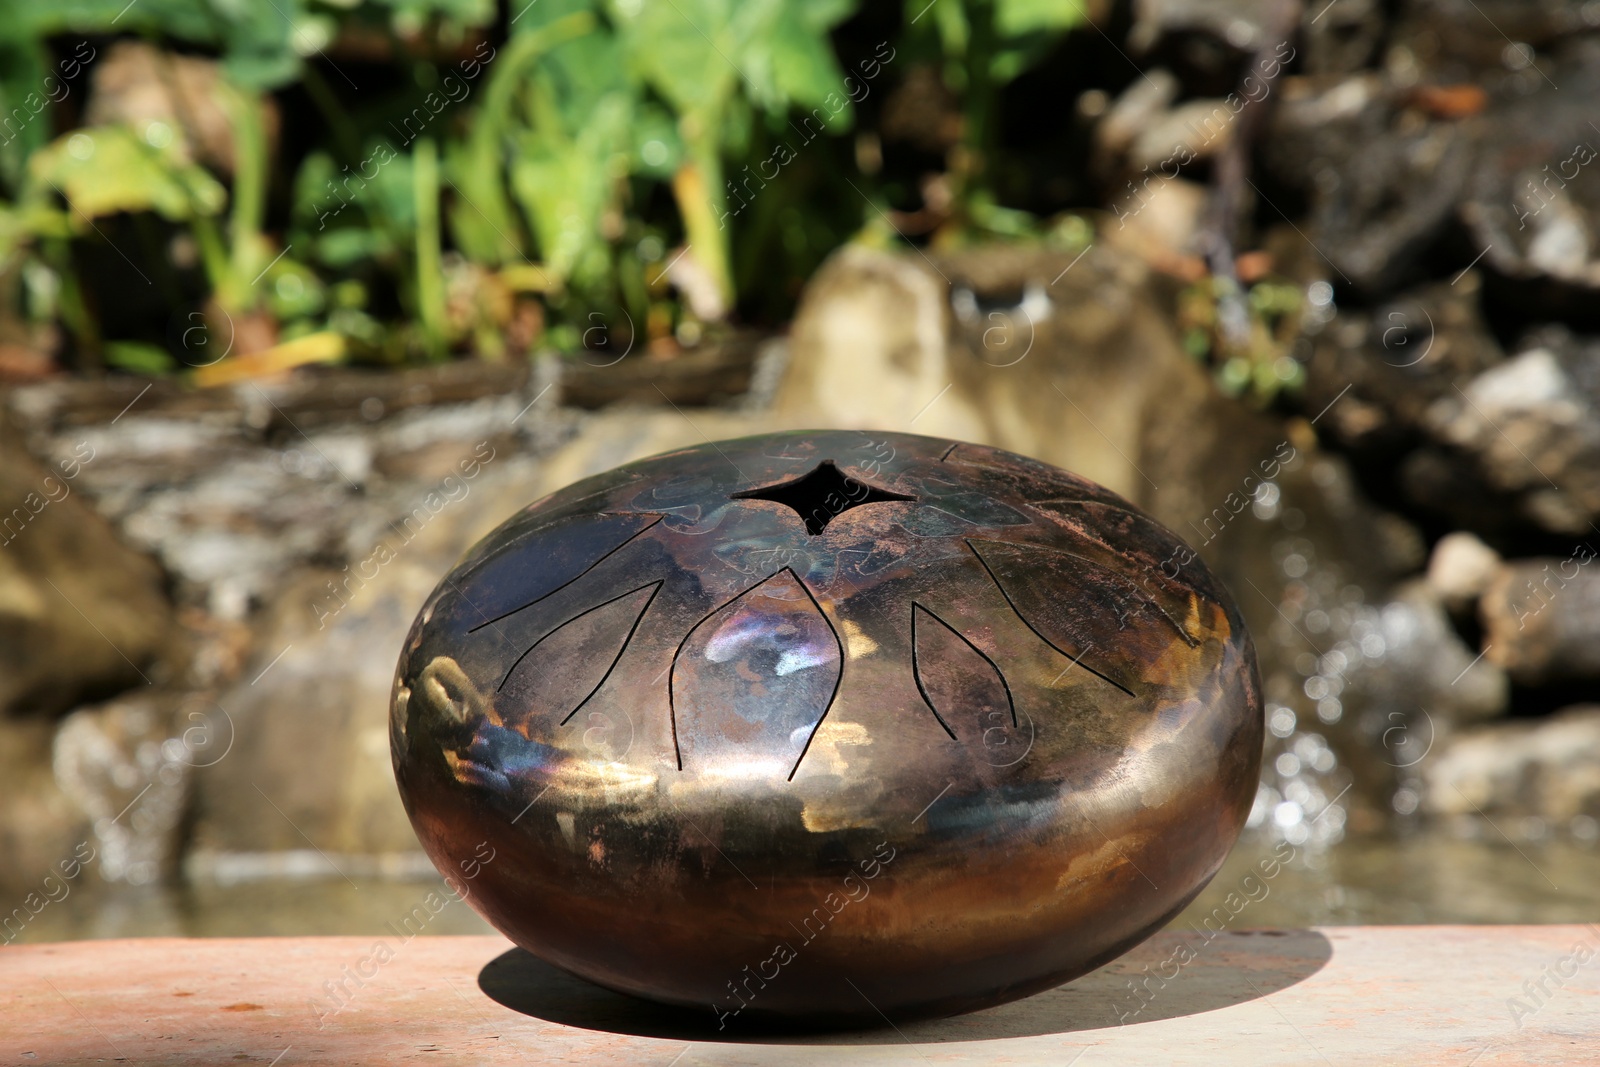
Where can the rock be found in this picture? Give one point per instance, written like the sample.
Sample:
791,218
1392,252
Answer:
234,488
1240,23
81,615
42,827
1382,191
1442,482
712,372
1373,373
1534,201
1145,137
1455,38
1461,568
1337,36
1163,222
310,766
1533,426
126,764
310,398
1546,769
1135,110
1391,169
1487,443
1541,617
1070,362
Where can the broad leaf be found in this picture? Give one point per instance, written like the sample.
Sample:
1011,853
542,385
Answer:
565,185
108,169
1012,18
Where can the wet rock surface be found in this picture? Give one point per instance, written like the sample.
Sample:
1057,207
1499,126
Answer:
1444,189
1461,568
1532,427
234,488
81,613
1541,618
1392,161
1386,366
1548,770
127,764
43,824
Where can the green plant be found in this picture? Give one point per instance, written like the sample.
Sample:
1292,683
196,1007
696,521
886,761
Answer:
715,60
1262,367
981,45
588,100
512,175
94,173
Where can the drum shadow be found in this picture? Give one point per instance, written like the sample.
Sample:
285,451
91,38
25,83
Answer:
1174,974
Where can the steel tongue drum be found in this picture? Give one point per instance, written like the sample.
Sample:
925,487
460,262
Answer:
825,727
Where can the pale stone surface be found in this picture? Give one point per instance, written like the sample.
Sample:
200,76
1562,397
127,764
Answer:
1354,996
310,766
1080,369
1461,567
1533,425
1541,617
1544,768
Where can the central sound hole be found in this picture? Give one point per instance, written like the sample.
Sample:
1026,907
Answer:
822,495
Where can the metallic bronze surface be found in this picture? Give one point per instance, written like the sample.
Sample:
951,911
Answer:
818,726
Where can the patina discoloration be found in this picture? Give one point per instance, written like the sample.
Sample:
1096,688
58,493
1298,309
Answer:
745,721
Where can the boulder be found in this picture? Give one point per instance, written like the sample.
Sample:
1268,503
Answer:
1395,163
1386,365
1382,191
234,488
1541,617
1547,769
1532,426
1425,664
42,827
1211,39
1461,568
1533,199
81,614
1069,360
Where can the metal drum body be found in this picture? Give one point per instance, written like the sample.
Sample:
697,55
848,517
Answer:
818,726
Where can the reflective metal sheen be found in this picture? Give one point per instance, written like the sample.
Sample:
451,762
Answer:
818,726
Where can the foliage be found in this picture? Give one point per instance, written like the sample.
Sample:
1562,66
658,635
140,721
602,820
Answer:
1262,367
422,177
985,44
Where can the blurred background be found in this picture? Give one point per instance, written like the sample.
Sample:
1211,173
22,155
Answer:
299,299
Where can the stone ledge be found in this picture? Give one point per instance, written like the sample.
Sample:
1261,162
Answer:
1347,995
